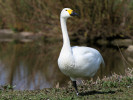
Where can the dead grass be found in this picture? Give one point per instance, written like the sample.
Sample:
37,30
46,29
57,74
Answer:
106,18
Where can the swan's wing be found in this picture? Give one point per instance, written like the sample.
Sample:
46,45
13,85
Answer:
87,54
84,50
87,60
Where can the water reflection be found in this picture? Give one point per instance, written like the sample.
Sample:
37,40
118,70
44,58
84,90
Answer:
34,65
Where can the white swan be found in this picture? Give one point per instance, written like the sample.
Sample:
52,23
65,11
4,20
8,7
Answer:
76,61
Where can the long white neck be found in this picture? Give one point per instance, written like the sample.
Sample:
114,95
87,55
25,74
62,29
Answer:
66,41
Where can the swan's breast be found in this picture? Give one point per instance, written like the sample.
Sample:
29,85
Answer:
66,63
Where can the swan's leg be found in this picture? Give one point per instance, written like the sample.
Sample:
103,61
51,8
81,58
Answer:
75,86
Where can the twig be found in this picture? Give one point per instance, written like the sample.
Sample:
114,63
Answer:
123,56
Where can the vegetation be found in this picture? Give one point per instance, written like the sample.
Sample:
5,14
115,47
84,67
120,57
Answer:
109,88
101,18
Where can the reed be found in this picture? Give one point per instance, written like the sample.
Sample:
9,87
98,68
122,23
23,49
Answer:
99,17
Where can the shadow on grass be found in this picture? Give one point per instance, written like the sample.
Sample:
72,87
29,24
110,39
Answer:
95,92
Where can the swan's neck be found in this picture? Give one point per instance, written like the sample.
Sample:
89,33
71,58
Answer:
66,41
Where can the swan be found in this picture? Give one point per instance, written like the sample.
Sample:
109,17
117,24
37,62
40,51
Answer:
77,61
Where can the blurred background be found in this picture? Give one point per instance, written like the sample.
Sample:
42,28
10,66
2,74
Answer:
31,38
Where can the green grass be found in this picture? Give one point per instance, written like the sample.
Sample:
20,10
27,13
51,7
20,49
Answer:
116,87
120,92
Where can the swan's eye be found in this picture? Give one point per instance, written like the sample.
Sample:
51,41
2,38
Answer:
66,10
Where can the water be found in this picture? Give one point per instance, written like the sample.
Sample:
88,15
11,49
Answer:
34,65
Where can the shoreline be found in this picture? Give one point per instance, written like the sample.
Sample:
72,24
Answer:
113,87
7,35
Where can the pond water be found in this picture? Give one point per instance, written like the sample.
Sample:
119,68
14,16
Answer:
32,66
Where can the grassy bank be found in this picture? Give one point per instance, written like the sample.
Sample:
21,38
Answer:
116,87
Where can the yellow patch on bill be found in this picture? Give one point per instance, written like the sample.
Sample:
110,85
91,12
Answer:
70,11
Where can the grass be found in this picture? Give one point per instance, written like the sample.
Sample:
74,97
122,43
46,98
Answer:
116,87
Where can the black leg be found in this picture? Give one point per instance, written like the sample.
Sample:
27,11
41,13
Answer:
75,86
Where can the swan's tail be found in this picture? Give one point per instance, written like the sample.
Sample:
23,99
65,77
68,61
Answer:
103,64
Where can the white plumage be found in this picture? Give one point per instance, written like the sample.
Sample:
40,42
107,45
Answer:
76,61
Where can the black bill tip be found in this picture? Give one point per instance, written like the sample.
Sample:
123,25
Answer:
74,14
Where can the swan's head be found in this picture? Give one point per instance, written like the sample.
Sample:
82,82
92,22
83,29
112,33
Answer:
67,12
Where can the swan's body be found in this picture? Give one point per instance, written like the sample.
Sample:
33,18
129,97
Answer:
76,61
83,62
